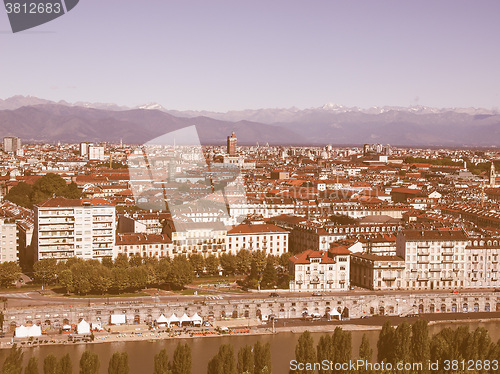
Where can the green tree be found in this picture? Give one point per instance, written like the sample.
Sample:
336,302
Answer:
223,362
228,263
243,261
82,277
47,186
305,352
32,367
212,265
121,261
20,194
135,260
181,272
50,365
402,347
66,280
72,191
161,364
181,362
118,363
245,360
325,351
13,364
65,365
138,277
365,353
269,277
9,273
385,344
89,363
262,358
121,279
101,278
420,343
45,270
260,259
197,262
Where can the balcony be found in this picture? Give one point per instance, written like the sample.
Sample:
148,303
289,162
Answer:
422,253
421,245
329,281
389,278
447,261
447,278
422,261
447,253
435,270
300,281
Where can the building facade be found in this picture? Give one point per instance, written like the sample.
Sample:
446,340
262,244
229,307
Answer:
482,263
144,245
270,239
66,228
313,271
377,272
434,259
8,240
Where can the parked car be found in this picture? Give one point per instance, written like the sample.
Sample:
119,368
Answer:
274,294
316,293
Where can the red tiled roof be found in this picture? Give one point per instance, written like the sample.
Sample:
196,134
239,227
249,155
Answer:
303,258
339,250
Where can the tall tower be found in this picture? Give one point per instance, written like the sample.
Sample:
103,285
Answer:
231,144
492,174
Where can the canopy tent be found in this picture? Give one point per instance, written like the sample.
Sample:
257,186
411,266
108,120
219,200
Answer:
83,327
173,319
25,332
118,319
21,332
34,330
96,326
334,314
196,319
66,327
185,319
162,320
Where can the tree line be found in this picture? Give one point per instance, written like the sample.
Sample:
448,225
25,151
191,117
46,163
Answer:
90,363
131,274
402,344
254,359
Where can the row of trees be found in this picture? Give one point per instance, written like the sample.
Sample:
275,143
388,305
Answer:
9,273
49,185
403,344
254,359
124,274
90,363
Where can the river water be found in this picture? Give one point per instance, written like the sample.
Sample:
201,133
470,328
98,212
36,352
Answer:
141,353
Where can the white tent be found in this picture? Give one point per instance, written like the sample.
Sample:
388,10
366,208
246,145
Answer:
66,327
334,313
25,332
96,326
21,332
118,319
34,330
185,318
172,319
83,327
196,319
162,320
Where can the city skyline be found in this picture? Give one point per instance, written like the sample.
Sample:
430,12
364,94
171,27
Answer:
223,56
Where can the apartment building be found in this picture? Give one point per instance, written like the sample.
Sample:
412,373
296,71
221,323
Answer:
271,239
320,270
8,240
377,272
482,257
205,238
434,259
66,228
144,245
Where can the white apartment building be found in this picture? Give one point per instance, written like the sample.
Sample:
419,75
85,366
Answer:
144,245
205,238
96,153
11,144
254,236
433,259
66,228
320,270
482,257
8,240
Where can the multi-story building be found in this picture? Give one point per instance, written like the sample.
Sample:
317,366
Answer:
231,144
482,257
8,240
144,245
434,259
205,238
377,272
66,228
96,153
320,270
11,144
271,239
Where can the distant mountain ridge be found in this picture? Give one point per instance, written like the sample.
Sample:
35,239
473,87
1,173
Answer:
39,120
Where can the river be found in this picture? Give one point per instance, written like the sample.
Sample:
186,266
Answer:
141,353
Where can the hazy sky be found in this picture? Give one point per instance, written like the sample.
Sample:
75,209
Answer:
238,54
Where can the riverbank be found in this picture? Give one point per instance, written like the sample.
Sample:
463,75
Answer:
125,334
